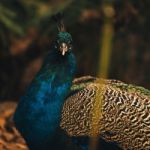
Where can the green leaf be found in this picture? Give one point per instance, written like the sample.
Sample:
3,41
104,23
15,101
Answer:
10,24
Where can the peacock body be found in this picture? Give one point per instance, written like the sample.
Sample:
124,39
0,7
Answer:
37,116
54,109
125,118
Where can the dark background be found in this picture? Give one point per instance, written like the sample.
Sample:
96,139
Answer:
26,32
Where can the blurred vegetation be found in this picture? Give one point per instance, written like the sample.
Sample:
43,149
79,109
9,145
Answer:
26,31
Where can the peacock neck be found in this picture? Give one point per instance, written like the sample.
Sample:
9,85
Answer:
37,116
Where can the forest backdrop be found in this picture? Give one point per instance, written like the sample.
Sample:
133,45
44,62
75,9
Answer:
27,30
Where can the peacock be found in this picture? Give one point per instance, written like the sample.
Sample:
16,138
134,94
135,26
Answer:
56,110
37,116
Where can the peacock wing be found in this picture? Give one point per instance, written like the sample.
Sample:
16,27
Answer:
125,113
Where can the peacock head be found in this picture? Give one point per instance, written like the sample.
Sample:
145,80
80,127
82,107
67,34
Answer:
63,42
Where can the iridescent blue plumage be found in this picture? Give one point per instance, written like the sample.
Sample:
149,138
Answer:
37,116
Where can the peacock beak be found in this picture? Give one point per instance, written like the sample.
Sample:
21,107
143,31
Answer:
63,48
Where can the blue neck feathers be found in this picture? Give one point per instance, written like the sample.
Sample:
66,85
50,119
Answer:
38,113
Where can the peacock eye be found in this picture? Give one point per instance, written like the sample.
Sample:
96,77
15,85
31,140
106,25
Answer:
58,41
69,46
69,42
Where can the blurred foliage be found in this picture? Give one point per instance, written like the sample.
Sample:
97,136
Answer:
26,31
